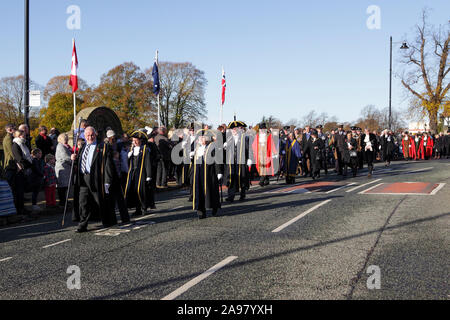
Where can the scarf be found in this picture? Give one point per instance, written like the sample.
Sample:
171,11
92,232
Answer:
26,153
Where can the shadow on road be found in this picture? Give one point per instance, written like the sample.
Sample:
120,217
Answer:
268,257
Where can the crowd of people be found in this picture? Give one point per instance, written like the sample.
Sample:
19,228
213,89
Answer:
125,171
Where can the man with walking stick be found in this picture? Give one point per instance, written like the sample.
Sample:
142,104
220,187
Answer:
94,169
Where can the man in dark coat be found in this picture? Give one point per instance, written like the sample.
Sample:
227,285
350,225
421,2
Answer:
387,146
315,148
369,147
94,176
138,191
236,173
339,144
44,142
205,177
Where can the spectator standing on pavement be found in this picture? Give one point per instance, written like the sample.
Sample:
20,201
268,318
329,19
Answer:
37,177
63,166
28,138
22,168
44,142
50,181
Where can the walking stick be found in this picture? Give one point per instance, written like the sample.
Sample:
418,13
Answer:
70,177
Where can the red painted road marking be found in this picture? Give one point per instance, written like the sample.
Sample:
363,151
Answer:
402,188
318,186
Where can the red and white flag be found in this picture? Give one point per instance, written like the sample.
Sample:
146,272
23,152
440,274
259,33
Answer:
73,82
224,86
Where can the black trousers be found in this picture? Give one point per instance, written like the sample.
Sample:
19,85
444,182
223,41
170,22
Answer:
116,197
234,188
369,157
62,194
89,202
162,171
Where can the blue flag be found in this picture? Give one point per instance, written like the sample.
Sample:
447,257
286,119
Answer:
155,75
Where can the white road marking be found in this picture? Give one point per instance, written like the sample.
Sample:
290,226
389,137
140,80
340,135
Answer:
5,259
196,280
28,225
176,208
362,192
422,169
300,216
439,187
145,217
347,185
363,185
54,244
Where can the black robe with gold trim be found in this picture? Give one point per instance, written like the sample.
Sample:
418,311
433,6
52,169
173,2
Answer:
236,171
205,184
137,187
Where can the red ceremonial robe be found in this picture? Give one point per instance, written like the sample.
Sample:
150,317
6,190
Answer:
268,164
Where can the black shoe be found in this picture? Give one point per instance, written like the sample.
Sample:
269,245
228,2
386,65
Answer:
214,212
190,199
81,230
201,215
153,207
242,198
230,200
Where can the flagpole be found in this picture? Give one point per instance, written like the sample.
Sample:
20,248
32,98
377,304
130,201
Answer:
159,116
221,103
74,107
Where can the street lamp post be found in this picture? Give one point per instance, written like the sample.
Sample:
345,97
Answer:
26,75
403,47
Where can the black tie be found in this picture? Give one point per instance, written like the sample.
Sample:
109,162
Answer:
84,160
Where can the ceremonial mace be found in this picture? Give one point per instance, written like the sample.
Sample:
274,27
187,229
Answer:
71,174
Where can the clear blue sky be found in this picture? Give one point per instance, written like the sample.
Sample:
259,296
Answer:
282,58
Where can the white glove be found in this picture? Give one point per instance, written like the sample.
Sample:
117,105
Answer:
130,154
106,188
183,144
219,176
225,145
191,154
274,156
283,152
249,162
148,179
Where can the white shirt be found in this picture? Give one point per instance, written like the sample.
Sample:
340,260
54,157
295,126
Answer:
90,156
136,151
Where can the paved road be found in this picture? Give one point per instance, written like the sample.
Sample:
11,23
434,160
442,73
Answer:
314,240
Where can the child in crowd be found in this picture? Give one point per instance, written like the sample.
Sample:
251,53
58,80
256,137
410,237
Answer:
36,178
50,181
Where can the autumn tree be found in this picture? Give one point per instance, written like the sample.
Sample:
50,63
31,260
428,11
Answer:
426,69
126,90
12,102
182,95
60,84
59,112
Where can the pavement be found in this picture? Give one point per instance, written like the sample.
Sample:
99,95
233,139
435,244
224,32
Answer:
318,239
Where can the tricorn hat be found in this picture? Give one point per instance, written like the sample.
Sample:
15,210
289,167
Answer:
139,135
236,124
262,125
319,126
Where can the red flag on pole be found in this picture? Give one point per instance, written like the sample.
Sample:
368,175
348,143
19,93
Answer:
73,82
224,86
